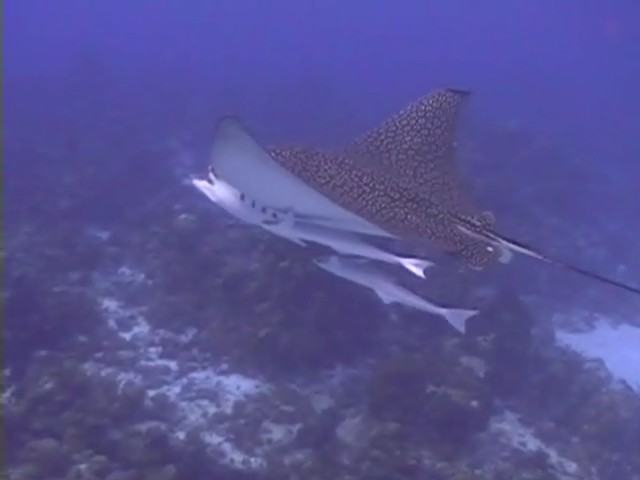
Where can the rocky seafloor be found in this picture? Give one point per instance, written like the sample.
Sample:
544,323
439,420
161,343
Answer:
187,346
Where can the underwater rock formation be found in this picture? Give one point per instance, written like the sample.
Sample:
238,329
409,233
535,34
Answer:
579,396
432,396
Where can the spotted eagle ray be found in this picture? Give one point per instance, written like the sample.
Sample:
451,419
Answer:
388,290
286,225
338,189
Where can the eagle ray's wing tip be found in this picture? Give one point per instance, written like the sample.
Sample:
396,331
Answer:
463,92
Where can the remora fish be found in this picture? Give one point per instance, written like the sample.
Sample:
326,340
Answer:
338,192
284,225
346,243
359,271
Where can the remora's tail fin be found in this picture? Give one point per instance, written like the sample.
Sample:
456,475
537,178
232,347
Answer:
417,266
520,247
458,318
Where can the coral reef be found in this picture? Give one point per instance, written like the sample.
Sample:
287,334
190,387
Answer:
63,423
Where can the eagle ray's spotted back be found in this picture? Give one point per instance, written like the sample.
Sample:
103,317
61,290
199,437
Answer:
416,145
382,200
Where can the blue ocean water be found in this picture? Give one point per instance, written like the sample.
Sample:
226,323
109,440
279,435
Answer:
148,334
